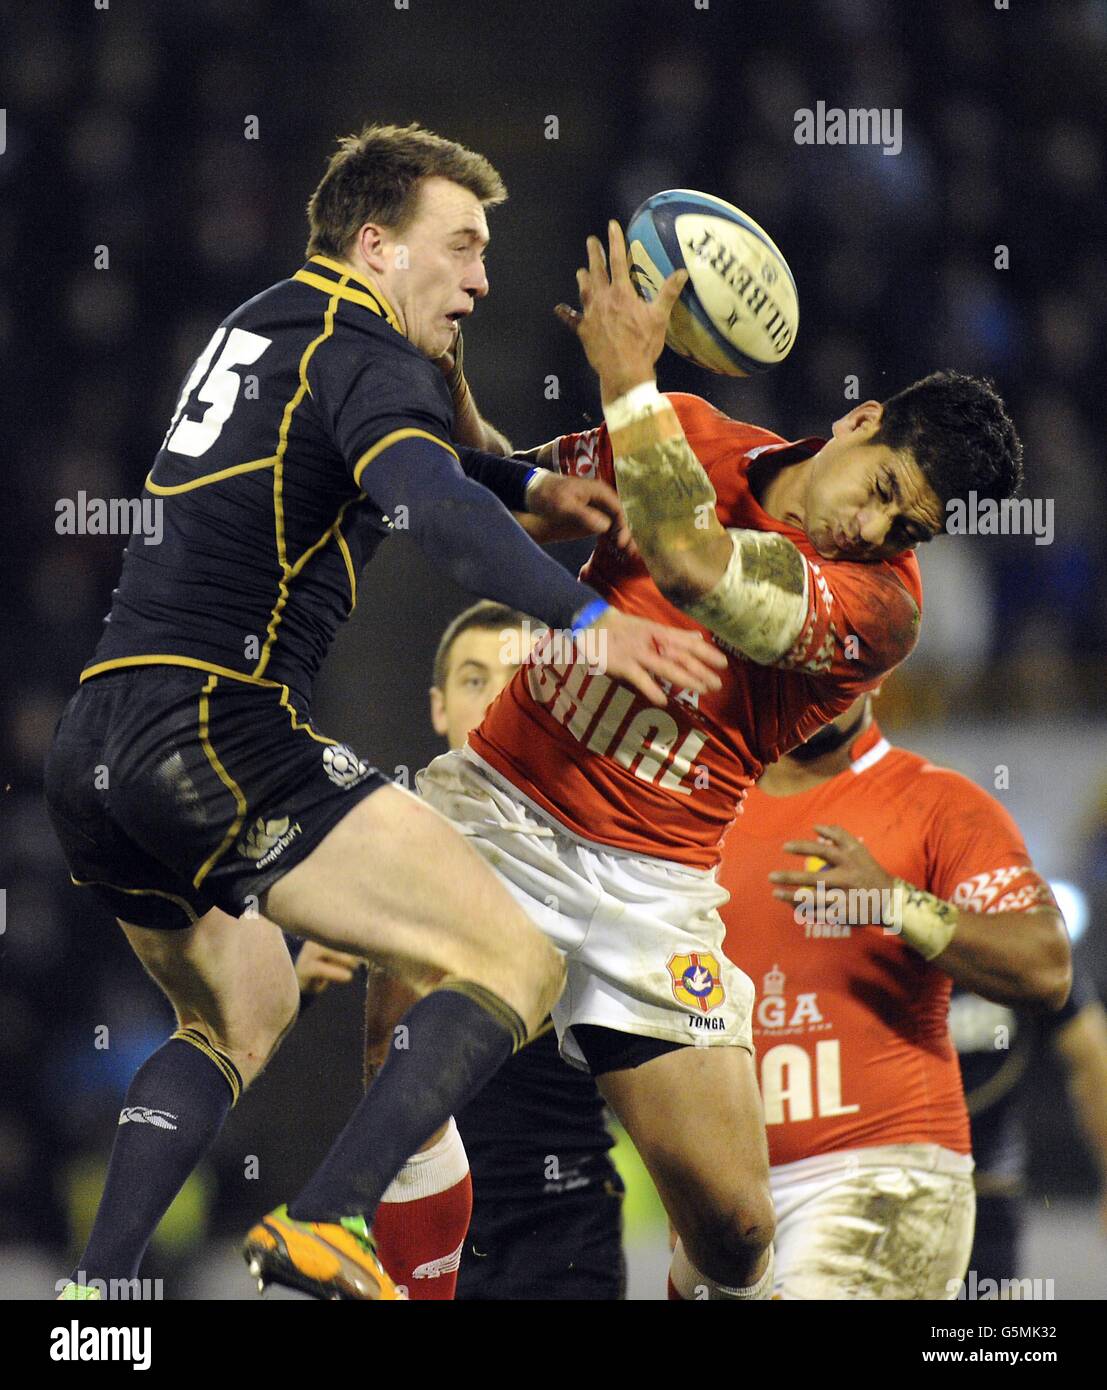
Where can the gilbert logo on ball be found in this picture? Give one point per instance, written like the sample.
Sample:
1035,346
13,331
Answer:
739,312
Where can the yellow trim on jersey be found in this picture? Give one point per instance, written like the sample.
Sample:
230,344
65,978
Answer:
332,531
299,728
345,291
182,903
394,438
121,662
227,780
350,274
252,467
287,572
318,545
351,573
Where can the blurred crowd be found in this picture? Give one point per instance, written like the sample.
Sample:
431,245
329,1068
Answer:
136,211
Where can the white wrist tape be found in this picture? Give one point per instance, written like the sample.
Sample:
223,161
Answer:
759,606
640,400
924,921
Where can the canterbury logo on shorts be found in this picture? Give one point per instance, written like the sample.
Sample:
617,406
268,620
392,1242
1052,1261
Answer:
143,1115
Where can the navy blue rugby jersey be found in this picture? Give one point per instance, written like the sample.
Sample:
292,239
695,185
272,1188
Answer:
260,477
993,1075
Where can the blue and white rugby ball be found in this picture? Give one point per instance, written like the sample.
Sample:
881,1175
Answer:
739,312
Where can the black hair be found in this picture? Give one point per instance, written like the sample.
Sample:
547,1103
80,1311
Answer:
958,430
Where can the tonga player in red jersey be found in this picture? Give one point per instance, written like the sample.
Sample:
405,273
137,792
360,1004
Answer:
604,816
911,879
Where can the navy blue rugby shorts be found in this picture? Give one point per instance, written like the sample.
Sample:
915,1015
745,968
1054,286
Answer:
174,790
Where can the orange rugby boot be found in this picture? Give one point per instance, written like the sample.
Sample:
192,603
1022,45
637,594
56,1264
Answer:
332,1260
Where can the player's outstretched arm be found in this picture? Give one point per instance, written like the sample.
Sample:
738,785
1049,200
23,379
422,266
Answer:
465,531
748,587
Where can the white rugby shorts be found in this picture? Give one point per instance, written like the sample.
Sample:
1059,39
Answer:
642,937
888,1222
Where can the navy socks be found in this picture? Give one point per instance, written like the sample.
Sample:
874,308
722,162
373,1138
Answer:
175,1108
447,1047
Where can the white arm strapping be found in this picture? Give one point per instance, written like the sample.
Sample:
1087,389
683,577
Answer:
759,606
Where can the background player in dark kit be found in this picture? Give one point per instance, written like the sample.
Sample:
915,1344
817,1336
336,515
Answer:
995,1080
546,1198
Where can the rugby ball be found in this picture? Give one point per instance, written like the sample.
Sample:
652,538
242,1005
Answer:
739,312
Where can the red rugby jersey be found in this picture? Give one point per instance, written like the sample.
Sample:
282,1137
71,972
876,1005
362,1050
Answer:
851,1025
667,782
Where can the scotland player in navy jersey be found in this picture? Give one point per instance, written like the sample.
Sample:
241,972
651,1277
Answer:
186,782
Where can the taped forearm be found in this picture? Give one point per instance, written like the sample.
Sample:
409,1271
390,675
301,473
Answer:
925,922
470,427
759,604
667,496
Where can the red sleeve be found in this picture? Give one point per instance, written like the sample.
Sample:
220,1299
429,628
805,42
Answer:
587,455
861,621
976,856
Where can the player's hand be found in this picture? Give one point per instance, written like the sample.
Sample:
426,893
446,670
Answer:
847,864
452,363
641,653
318,967
578,507
622,333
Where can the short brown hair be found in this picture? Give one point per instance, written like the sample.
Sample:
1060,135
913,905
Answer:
376,176
485,615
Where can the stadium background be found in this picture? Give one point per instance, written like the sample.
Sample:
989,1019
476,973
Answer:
126,129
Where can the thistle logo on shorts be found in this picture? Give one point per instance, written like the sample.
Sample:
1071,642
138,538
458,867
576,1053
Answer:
696,982
342,765
265,840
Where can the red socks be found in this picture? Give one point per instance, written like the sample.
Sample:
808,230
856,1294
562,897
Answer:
422,1220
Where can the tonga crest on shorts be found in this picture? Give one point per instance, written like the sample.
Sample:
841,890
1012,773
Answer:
696,981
